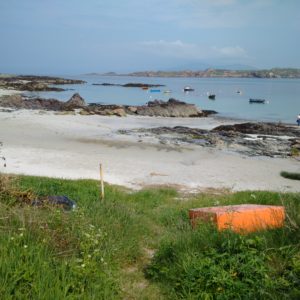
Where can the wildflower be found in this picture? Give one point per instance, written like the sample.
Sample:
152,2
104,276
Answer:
83,265
25,246
102,260
12,238
21,234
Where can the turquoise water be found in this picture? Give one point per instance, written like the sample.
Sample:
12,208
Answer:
283,95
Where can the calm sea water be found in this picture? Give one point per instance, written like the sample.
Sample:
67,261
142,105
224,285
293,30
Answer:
283,95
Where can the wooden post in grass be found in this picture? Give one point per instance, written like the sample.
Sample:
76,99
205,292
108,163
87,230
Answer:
101,183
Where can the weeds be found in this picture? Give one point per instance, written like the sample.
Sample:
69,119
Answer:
289,175
103,250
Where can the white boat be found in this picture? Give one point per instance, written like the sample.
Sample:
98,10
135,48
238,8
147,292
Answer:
188,89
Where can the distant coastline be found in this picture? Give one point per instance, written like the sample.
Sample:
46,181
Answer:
292,73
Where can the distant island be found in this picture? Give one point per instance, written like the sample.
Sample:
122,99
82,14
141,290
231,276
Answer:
216,73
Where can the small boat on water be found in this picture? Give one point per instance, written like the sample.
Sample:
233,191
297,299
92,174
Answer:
212,96
239,92
144,88
252,100
154,91
167,92
188,89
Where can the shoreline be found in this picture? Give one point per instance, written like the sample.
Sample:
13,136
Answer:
217,116
75,145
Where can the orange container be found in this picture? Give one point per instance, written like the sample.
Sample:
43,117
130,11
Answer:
240,218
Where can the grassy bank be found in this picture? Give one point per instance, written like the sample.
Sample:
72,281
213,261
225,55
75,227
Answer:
139,245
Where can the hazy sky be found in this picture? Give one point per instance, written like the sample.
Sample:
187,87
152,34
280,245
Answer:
78,36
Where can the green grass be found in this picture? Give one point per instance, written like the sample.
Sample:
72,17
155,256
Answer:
290,175
295,151
104,250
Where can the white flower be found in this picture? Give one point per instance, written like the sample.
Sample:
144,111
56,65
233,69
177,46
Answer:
25,246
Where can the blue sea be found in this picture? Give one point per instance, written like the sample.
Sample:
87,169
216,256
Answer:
282,95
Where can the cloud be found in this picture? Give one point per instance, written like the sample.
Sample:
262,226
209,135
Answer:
234,52
173,48
179,49
222,2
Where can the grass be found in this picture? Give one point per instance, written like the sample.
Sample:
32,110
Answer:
139,245
290,175
295,151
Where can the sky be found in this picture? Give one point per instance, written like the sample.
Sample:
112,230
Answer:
76,36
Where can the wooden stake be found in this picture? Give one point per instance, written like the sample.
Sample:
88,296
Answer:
102,183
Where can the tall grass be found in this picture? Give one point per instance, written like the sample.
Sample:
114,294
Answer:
104,249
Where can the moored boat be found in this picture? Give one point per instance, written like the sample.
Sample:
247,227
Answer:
253,100
212,96
188,89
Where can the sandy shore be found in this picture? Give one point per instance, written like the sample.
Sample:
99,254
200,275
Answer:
72,146
8,92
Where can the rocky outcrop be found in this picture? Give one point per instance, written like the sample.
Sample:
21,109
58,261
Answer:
104,110
263,144
260,128
76,101
171,108
20,102
157,108
35,83
138,85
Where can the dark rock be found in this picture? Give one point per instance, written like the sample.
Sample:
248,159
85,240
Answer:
207,113
19,102
107,84
104,110
261,128
141,85
266,145
171,108
138,85
35,83
76,101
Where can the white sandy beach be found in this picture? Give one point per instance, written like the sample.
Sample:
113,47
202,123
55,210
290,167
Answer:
72,146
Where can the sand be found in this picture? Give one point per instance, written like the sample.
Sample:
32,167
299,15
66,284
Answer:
4,92
72,146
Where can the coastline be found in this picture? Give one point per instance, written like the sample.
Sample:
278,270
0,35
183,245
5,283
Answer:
44,143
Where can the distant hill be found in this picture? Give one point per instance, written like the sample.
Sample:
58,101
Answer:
224,73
